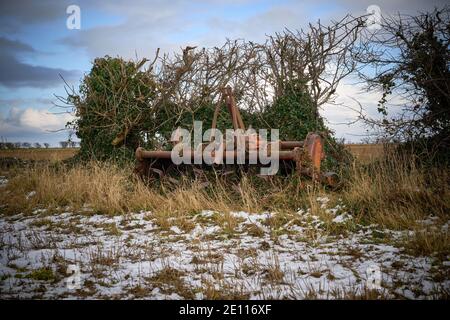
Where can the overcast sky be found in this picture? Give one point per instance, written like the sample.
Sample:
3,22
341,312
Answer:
36,47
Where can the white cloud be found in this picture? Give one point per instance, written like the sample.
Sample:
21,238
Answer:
43,119
32,121
342,115
351,99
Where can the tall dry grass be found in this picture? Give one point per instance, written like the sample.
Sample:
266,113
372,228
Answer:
396,191
393,192
110,189
38,154
102,186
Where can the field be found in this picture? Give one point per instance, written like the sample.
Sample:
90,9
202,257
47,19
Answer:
383,235
366,152
51,154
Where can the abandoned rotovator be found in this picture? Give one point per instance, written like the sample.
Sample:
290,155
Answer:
303,157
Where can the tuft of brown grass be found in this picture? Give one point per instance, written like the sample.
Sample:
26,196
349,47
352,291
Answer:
171,280
426,242
273,272
222,290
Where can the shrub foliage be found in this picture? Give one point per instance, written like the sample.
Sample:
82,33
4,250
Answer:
116,112
121,105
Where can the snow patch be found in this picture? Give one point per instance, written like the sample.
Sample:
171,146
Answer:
342,218
3,181
30,195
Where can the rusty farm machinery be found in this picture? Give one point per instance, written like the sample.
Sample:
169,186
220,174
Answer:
303,157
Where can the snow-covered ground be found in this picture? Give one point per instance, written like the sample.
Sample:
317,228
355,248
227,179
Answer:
134,256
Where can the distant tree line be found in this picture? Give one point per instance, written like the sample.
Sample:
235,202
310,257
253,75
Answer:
28,145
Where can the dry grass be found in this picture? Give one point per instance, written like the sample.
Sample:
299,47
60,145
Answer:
104,187
273,272
426,242
366,153
109,189
171,280
52,154
395,192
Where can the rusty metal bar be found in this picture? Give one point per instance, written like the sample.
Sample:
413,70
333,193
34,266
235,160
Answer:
235,109
291,144
231,109
216,114
144,154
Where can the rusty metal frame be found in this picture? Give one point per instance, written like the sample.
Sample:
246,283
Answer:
307,154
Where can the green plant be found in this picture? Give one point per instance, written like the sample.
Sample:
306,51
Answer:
44,274
295,114
112,107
